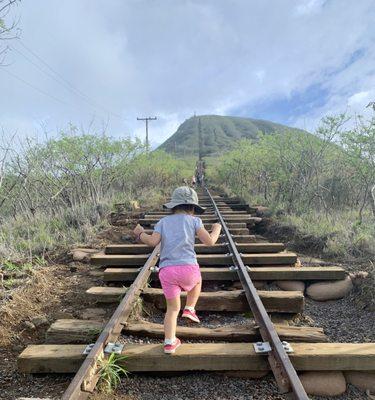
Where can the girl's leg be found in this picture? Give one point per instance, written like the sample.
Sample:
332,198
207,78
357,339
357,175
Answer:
193,296
170,319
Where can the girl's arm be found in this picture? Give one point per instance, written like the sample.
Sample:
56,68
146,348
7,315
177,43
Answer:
209,239
150,240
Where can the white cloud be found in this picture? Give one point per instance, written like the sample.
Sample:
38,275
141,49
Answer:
171,59
361,98
306,7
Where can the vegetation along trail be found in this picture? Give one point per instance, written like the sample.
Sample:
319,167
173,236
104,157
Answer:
103,136
62,300
222,346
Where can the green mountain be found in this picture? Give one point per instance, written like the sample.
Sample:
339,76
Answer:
218,134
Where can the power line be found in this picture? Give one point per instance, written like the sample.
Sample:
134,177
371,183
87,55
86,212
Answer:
35,64
63,82
34,87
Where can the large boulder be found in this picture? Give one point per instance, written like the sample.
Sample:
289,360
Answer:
262,211
291,285
361,379
323,383
83,255
237,285
331,290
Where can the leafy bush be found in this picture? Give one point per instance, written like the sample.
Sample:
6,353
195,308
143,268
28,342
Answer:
324,182
58,193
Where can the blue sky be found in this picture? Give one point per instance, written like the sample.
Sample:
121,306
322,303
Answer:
101,63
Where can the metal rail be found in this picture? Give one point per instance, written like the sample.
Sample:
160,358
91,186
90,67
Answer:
84,382
283,370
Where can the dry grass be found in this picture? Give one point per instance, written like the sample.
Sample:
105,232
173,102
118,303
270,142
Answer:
34,298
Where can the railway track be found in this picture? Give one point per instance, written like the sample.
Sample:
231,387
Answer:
240,255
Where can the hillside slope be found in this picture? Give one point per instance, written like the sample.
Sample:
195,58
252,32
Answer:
219,133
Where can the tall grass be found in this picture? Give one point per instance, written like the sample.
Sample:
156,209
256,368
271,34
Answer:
57,194
343,235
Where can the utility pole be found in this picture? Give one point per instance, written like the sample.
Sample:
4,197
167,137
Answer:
200,140
146,120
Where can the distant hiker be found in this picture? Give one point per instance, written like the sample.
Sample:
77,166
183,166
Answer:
179,269
193,181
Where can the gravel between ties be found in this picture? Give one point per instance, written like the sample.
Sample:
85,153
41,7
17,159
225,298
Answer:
341,320
208,386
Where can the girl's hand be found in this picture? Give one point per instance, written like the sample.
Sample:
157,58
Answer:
138,230
216,226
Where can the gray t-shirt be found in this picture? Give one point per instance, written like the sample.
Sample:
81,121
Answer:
177,239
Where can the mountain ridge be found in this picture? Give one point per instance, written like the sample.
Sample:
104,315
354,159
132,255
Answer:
218,133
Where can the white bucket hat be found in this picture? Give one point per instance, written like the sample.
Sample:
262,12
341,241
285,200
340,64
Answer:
185,195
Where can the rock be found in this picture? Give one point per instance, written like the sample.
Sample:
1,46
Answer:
259,284
93,313
64,315
358,277
134,205
126,238
40,321
281,319
263,211
18,348
323,383
96,274
81,256
361,379
238,285
73,268
332,290
87,250
291,285
28,325
311,261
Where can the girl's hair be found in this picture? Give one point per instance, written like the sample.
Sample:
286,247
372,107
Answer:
189,208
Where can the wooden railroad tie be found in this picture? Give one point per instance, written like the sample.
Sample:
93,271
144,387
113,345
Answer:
233,301
69,331
67,339
203,259
232,222
263,273
57,358
127,249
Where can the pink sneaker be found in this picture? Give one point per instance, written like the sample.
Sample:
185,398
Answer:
191,315
171,348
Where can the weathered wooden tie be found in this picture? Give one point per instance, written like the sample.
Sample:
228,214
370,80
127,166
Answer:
231,301
51,358
232,222
70,331
203,259
264,273
127,249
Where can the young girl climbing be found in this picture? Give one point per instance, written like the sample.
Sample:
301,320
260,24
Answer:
178,267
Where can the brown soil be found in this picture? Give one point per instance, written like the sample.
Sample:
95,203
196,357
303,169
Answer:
50,290
47,292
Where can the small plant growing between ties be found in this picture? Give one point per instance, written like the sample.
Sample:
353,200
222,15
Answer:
110,372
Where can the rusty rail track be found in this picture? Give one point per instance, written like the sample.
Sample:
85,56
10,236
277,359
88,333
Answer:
283,370
64,353
85,380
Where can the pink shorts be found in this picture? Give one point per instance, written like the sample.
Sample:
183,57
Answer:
176,278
